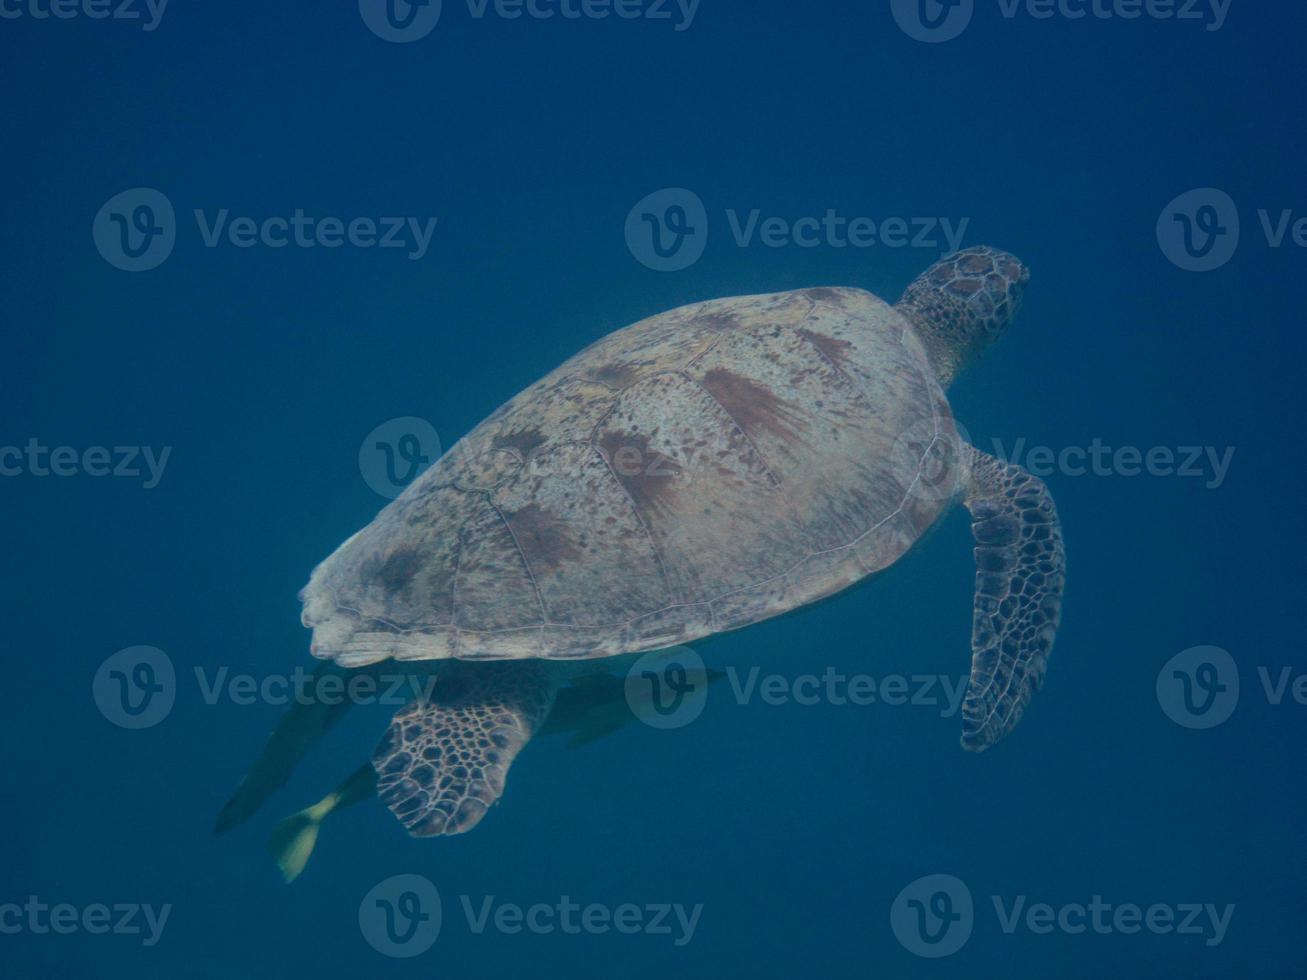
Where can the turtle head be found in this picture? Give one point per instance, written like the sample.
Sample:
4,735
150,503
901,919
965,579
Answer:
962,304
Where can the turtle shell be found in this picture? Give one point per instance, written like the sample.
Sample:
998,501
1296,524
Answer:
695,472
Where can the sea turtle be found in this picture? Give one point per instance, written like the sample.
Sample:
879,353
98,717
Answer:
696,472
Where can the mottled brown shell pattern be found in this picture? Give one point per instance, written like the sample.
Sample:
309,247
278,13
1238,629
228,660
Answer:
695,472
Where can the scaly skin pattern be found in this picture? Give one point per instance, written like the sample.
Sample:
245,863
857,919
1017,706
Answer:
962,304
443,762
1020,574
695,472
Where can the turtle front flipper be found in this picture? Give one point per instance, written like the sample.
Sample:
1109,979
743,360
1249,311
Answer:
443,760
1020,573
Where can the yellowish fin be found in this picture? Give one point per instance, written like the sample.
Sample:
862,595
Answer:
292,842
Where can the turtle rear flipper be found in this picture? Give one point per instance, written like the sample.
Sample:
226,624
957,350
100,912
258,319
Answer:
443,761
1020,573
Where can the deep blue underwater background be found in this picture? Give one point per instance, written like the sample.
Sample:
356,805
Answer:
796,826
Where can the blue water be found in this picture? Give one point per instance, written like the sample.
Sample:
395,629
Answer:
794,826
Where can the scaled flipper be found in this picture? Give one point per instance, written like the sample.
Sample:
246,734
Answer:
1020,574
443,760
